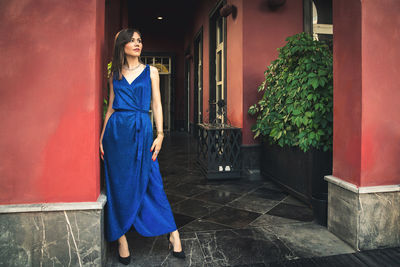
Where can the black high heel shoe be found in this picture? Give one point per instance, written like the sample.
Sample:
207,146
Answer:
124,260
180,254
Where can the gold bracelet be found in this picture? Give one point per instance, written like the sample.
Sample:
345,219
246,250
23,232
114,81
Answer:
160,133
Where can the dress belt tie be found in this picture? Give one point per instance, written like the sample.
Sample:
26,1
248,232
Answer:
139,129
133,109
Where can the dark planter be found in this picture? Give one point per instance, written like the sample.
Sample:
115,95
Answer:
319,203
218,151
300,173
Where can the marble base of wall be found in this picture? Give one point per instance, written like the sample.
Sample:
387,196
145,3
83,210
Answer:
365,217
53,234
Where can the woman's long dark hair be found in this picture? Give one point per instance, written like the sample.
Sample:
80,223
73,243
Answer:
119,57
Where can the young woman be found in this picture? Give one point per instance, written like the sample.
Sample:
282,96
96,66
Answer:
135,192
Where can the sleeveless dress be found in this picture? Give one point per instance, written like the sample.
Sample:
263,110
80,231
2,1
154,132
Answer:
135,191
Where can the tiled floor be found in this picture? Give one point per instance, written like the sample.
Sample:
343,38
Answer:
228,223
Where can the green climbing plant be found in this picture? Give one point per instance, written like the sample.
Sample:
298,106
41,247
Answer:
105,100
296,108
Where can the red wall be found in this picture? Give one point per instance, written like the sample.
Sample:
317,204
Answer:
366,79
51,100
234,65
380,145
264,31
347,90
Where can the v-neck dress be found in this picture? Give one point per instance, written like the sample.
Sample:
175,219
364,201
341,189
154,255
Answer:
135,192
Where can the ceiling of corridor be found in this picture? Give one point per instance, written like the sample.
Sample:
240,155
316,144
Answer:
176,14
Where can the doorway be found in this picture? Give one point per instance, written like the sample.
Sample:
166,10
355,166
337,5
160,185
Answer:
198,80
187,91
164,66
217,65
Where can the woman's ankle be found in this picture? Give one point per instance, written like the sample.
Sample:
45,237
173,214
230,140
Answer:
123,250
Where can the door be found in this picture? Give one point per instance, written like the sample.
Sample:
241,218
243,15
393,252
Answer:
217,67
187,93
198,79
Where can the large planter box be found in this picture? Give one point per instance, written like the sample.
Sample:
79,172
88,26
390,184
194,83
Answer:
300,173
218,151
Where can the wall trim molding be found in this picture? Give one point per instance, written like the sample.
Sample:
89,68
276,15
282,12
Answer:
362,189
60,206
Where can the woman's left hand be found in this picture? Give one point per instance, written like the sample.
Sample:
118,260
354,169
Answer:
156,146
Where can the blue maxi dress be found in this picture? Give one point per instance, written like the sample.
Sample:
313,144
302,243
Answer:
135,191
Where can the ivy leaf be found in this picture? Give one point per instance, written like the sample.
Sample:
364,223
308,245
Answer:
322,82
274,132
314,83
296,112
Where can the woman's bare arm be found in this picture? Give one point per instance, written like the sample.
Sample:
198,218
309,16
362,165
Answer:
110,111
157,110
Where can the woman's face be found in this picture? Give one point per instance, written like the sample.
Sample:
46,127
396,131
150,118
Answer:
134,47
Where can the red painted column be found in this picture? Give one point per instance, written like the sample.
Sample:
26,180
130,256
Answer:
51,100
366,95
347,90
380,143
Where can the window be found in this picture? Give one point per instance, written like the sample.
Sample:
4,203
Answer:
219,66
321,29
163,64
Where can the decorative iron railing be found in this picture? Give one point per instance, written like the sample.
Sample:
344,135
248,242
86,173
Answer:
219,151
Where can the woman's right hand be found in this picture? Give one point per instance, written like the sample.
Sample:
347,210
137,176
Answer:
101,149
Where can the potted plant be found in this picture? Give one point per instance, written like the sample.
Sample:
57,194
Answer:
295,116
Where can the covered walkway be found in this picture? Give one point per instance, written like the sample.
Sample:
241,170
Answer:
212,54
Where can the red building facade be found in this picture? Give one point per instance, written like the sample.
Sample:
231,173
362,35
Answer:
53,84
